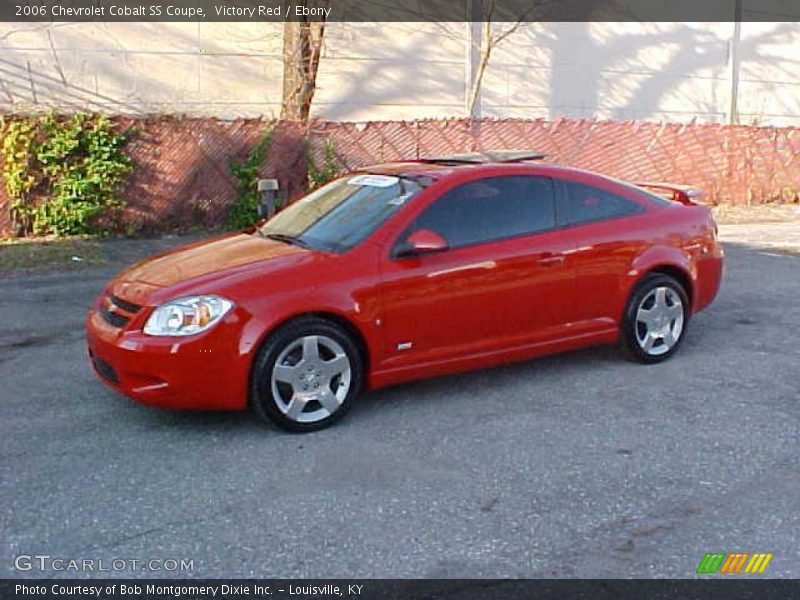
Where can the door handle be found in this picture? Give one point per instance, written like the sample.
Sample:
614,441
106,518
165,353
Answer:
551,259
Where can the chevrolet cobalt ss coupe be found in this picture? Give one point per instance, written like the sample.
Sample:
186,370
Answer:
403,271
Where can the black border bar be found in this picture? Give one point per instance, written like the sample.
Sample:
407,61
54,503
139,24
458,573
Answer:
393,11
712,588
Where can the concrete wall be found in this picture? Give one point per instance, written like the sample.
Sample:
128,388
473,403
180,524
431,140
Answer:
377,71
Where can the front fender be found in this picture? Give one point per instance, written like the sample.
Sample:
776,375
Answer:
358,310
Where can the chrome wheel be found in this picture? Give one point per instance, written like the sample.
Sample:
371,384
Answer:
659,321
311,378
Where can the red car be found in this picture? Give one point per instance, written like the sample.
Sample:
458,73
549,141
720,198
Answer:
403,271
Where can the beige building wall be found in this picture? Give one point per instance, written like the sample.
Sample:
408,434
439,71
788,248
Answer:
376,71
651,71
221,69
769,78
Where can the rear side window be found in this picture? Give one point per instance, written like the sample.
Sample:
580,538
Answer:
491,209
586,203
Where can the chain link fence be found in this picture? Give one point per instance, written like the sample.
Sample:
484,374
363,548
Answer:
182,178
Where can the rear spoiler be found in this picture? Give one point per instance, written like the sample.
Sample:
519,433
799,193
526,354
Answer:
683,194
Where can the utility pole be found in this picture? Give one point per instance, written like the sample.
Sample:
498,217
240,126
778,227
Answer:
734,65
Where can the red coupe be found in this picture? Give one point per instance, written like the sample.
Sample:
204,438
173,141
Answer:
402,271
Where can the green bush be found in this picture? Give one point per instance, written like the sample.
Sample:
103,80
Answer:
244,210
60,173
321,174
19,181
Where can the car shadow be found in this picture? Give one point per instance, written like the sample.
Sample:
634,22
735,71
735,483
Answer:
435,389
204,421
553,367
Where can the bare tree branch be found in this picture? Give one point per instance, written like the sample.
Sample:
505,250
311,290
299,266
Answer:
489,42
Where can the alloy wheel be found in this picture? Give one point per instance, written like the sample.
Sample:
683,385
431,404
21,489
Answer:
311,378
659,320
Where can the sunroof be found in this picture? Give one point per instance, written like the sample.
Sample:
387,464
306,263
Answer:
492,156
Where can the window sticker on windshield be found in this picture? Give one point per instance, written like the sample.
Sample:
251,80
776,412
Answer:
400,200
381,181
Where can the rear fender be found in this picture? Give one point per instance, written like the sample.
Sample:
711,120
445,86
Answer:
657,258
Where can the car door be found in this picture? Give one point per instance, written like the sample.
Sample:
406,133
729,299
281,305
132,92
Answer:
603,226
501,283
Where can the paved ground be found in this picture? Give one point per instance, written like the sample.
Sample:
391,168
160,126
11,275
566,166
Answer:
767,236
582,465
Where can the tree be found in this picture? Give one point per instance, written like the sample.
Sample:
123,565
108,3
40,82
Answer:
489,39
302,46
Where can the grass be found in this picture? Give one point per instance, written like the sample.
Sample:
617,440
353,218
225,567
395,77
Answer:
33,254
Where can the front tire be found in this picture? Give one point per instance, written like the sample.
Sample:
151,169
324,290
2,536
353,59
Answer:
306,375
656,318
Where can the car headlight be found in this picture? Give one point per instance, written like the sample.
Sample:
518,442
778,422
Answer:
185,316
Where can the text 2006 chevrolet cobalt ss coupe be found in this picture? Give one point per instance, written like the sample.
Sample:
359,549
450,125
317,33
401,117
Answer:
402,271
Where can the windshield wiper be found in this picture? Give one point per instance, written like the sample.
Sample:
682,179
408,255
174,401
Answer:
287,239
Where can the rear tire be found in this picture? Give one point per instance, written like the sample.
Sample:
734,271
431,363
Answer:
656,319
306,375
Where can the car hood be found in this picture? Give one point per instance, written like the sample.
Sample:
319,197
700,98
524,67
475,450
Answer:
203,261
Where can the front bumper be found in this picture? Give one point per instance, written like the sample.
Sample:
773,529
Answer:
203,371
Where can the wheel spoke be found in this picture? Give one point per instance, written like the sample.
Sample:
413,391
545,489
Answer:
649,342
669,339
295,407
661,297
328,401
336,366
311,348
646,315
675,311
285,373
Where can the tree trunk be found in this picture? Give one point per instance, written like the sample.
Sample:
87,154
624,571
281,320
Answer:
302,45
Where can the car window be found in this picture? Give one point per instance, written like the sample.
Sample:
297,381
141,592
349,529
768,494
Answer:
491,209
586,203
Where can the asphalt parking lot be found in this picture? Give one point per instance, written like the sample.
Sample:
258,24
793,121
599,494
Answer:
580,465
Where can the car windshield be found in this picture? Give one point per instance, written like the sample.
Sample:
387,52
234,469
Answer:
342,213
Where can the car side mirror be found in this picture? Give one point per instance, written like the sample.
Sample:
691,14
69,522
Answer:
422,241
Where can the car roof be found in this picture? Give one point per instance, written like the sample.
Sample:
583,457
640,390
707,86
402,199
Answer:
419,169
522,162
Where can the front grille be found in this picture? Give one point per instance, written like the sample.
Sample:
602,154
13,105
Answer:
116,311
124,304
113,318
105,370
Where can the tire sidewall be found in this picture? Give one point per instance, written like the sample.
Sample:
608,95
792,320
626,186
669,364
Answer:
261,396
641,290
